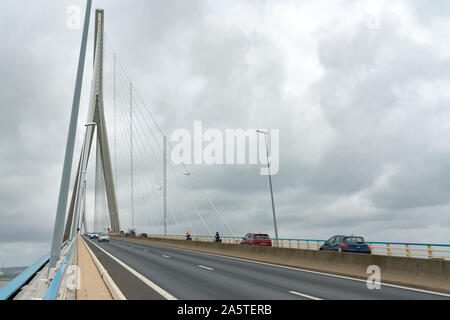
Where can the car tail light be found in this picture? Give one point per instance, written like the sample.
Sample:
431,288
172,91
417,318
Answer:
344,246
368,247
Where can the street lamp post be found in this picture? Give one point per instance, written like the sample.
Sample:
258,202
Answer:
270,183
165,183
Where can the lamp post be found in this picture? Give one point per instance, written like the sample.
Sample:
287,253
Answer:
270,183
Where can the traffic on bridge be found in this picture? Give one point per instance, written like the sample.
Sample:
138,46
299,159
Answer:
331,201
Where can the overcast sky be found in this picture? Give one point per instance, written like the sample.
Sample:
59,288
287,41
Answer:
360,91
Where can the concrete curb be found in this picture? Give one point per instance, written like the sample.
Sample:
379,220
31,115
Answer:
110,284
424,274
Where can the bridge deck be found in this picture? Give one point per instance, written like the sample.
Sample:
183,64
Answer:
191,275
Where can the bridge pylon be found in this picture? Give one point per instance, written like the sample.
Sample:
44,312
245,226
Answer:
95,120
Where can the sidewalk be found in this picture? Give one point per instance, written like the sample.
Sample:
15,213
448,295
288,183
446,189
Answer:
91,285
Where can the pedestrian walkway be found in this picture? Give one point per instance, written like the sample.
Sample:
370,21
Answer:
92,286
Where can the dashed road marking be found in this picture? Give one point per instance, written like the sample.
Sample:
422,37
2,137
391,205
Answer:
207,268
304,295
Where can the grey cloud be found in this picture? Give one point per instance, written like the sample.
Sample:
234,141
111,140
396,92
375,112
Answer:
430,11
363,151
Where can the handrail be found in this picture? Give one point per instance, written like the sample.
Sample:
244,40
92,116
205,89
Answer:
313,240
20,280
412,244
52,290
409,249
10,289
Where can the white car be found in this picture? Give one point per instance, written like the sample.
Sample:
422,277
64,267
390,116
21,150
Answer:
103,237
93,235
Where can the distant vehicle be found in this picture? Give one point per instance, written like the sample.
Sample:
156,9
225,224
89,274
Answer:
93,235
103,237
355,244
257,239
143,235
122,233
130,233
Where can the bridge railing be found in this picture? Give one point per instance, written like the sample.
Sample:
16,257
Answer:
21,279
401,249
12,287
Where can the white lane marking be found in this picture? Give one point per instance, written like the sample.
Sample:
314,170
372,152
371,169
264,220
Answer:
304,295
152,285
308,271
165,256
145,250
207,268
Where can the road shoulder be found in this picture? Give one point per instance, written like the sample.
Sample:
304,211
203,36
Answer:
91,286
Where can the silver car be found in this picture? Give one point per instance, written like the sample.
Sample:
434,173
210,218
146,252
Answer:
103,237
93,235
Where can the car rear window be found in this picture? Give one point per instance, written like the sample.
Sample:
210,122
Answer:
261,236
354,240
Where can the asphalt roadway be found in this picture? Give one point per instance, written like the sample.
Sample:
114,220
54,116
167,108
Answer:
151,272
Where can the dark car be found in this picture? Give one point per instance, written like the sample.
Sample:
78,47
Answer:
257,239
353,244
143,235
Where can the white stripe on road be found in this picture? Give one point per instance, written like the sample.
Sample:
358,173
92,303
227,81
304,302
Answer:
152,285
304,295
207,268
165,256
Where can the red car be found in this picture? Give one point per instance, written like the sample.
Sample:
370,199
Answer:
257,239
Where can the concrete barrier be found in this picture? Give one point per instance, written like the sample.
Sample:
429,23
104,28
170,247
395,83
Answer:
425,274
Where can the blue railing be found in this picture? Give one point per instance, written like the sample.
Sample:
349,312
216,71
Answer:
19,281
54,285
12,287
408,249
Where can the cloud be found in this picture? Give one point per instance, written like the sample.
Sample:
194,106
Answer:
358,90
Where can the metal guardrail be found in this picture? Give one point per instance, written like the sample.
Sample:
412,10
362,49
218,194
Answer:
12,287
19,281
52,290
401,249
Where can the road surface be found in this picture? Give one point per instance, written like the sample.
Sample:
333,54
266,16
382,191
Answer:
189,275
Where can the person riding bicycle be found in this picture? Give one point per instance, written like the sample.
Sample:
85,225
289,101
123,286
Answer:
188,236
218,237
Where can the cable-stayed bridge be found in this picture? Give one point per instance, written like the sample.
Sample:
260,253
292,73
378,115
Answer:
125,163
